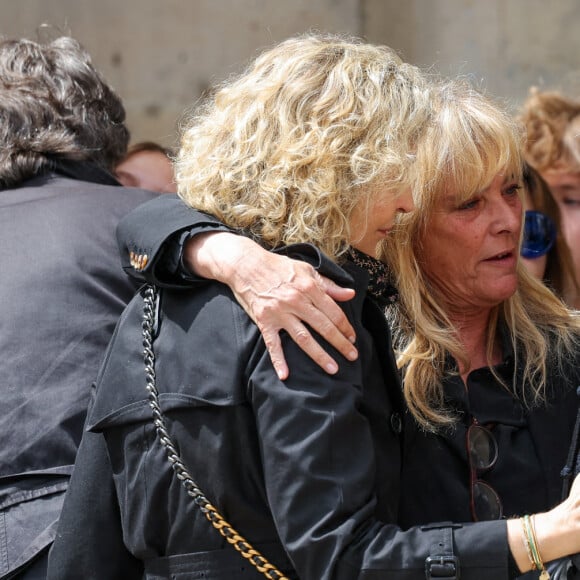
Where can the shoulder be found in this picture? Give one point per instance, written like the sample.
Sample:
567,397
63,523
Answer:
199,344
67,194
111,198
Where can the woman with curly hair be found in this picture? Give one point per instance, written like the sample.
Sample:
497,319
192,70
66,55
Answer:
314,152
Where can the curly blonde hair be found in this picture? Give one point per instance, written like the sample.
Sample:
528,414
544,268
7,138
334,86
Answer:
552,124
288,148
470,141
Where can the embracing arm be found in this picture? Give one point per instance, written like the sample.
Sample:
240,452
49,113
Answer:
170,244
278,293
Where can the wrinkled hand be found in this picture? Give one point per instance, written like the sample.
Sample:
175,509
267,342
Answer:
562,523
278,293
557,532
573,509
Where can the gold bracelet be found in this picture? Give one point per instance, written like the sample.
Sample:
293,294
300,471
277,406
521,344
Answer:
525,524
544,574
532,542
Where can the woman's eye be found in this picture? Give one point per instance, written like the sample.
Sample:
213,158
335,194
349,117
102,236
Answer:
512,190
469,204
571,201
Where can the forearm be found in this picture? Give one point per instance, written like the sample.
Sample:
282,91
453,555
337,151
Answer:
556,533
216,255
278,293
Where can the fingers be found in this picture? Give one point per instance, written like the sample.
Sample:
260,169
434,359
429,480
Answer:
283,294
334,325
302,337
328,320
335,291
270,318
306,299
274,346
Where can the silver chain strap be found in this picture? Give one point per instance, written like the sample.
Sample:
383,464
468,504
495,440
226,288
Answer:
218,522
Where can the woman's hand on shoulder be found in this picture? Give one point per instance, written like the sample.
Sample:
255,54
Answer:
278,293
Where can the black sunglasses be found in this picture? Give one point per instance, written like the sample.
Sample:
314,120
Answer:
482,452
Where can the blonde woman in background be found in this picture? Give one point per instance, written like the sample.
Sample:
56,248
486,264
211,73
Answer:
552,148
545,252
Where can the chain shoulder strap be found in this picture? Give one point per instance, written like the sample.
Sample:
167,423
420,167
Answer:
245,549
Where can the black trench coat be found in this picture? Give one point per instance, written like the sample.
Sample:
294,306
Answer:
307,470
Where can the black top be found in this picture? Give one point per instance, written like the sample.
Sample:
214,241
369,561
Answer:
526,474
62,291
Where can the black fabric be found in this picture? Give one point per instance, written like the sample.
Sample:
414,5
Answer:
62,291
310,464
572,467
223,564
527,473
82,171
569,568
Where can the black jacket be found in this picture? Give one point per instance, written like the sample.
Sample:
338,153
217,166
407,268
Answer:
308,469
62,292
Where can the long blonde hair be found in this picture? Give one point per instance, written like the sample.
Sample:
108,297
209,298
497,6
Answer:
470,141
286,150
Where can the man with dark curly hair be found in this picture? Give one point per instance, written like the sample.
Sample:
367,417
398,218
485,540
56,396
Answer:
62,132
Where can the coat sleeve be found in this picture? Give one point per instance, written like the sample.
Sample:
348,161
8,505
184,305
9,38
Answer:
91,548
151,239
320,473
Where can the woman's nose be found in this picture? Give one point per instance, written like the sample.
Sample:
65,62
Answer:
507,215
405,202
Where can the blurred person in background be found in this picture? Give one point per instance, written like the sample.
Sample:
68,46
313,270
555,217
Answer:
147,165
545,252
552,148
62,133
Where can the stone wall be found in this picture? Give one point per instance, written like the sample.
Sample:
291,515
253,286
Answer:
161,54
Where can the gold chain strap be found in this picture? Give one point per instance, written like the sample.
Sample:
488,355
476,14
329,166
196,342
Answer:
215,518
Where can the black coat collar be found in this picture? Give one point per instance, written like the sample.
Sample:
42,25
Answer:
83,171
